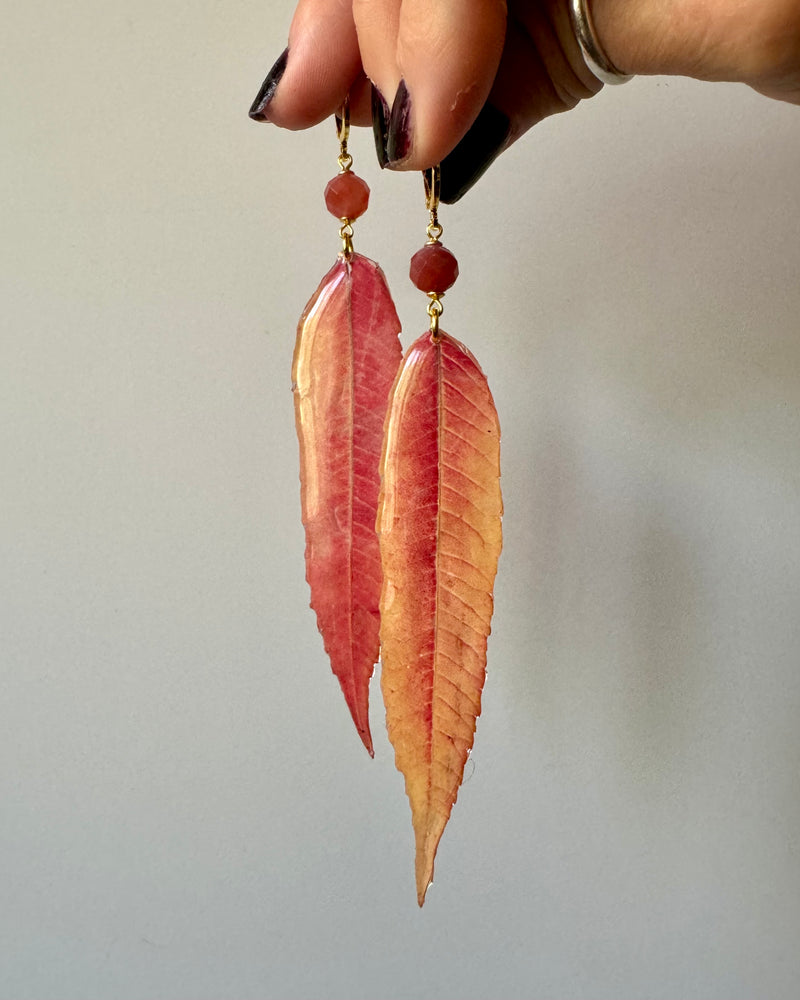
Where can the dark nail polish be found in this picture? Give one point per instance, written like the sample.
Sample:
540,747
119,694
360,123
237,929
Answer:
398,141
380,125
258,111
472,157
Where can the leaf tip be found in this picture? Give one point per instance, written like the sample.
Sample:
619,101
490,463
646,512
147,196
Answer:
422,891
424,875
366,739
360,716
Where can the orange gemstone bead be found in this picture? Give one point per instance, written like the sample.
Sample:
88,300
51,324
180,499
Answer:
434,268
347,196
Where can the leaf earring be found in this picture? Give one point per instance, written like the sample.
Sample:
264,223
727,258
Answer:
439,523
345,360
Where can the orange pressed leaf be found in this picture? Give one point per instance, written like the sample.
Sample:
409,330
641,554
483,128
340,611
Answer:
440,530
345,361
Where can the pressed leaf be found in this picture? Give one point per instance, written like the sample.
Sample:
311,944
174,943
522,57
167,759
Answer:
345,361
440,530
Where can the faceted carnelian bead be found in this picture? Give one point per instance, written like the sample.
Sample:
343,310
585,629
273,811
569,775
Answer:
434,268
347,196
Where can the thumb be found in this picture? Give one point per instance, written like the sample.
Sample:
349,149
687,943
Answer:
447,56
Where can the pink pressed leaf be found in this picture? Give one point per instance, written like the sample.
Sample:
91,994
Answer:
345,360
440,532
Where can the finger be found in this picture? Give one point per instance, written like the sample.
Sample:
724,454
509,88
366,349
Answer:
541,73
313,76
361,101
377,25
449,60
435,64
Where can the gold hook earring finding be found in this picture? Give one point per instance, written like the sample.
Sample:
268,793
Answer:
343,134
433,182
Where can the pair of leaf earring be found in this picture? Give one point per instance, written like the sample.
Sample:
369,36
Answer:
399,472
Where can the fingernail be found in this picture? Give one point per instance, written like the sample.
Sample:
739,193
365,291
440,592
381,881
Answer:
380,125
472,157
398,141
258,111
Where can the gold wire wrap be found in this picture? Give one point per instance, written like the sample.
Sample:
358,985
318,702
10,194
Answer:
435,310
434,229
346,236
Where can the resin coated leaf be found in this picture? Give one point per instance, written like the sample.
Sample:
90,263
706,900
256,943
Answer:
345,361
440,531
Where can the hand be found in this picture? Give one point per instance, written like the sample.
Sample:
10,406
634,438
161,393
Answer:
457,81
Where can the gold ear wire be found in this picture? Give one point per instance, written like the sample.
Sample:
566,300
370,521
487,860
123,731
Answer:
432,178
343,134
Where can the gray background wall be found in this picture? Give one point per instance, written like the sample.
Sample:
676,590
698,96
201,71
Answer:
186,810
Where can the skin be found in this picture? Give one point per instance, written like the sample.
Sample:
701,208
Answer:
520,56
